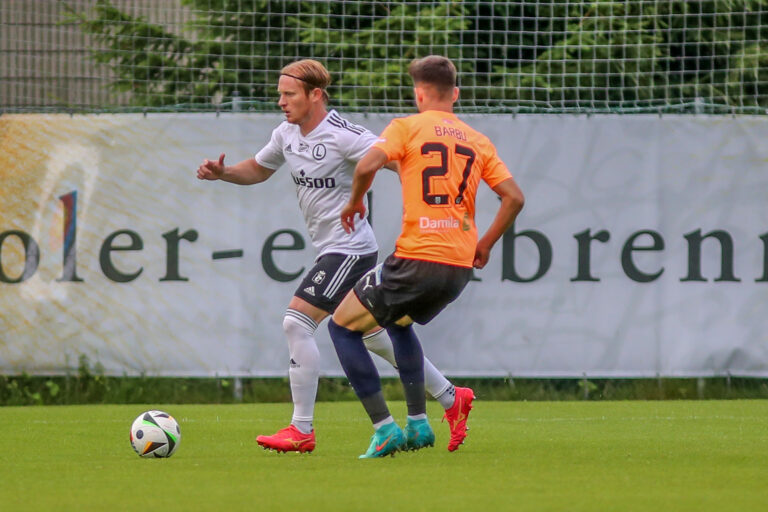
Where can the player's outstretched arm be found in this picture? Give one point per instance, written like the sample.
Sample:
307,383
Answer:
512,201
365,171
247,172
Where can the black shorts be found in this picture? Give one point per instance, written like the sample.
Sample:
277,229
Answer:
333,275
419,289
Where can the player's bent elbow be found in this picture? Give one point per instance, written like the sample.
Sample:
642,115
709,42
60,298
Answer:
511,195
518,201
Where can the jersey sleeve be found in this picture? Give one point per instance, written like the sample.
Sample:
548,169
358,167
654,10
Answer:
271,156
392,140
358,145
495,170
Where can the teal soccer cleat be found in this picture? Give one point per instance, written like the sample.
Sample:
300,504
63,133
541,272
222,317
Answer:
385,441
418,434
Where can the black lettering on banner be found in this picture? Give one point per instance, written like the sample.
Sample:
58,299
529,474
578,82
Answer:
630,269
695,239
508,270
764,277
584,262
31,256
172,239
108,247
132,241
269,247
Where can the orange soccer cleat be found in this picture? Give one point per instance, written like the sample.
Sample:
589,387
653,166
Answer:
289,439
457,417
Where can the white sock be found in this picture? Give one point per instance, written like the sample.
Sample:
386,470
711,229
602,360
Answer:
447,397
380,344
304,371
385,421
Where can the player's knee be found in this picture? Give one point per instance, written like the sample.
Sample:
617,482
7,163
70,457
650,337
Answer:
296,323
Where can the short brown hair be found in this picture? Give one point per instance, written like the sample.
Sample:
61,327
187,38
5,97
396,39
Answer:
310,73
434,70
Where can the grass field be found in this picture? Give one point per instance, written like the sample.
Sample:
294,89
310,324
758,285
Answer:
522,456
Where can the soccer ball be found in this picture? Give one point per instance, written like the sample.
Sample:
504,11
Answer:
155,434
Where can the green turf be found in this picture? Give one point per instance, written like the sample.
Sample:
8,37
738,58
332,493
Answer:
523,456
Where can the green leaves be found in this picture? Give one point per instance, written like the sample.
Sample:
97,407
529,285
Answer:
599,56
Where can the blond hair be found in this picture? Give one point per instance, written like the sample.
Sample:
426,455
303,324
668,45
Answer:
311,74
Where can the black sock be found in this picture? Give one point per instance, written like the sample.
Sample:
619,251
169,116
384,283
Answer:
410,363
360,370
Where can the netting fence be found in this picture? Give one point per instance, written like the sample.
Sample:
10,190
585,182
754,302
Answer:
632,56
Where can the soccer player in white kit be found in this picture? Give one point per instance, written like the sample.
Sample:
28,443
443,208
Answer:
321,150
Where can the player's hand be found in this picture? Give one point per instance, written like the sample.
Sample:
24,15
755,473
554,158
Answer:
482,254
348,215
211,169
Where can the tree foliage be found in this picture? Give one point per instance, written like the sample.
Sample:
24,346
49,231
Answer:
552,55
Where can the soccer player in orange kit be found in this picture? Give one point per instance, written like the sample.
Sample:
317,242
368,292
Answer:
442,161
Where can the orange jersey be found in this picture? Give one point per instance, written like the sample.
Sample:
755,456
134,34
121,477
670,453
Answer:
442,161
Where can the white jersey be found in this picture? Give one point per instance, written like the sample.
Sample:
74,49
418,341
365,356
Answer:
322,165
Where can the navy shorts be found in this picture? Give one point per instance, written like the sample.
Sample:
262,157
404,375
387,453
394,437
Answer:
333,275
419,289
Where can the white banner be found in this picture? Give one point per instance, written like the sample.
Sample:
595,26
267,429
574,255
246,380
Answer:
642,249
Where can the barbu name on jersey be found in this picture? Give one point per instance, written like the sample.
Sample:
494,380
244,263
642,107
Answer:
447,131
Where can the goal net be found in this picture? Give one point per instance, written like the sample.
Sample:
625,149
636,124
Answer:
630,56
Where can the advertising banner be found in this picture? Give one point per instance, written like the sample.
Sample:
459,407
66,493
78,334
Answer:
642,249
